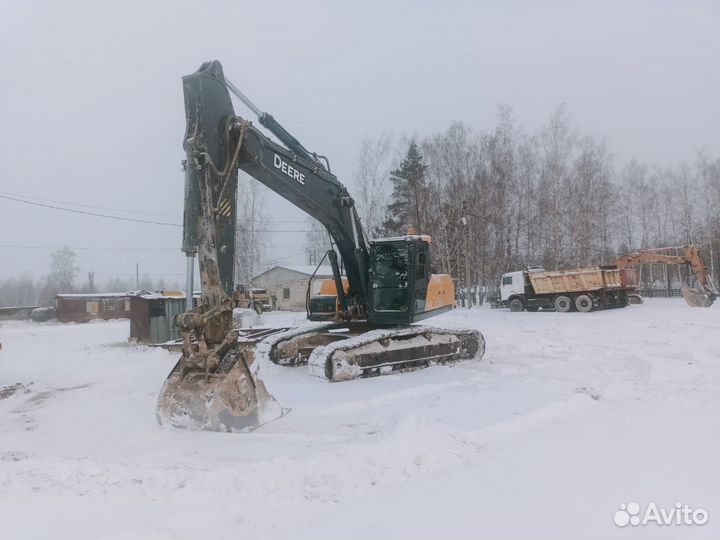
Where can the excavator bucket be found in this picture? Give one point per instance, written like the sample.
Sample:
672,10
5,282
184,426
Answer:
698,299
232,398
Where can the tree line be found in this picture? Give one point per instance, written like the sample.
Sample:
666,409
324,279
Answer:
64,277
506,199
497,200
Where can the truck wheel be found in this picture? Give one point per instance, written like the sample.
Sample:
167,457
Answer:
562,304
584,303
516,304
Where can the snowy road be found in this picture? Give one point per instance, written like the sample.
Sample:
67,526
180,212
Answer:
567,417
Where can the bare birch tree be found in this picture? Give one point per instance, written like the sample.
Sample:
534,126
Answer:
252,229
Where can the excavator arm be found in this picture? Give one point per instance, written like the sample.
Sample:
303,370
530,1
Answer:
215,384
703,295
213,131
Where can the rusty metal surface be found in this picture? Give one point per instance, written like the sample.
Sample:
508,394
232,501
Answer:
577,280
233,401
84,308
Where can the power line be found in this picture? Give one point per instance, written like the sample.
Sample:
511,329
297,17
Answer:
74,211
286,257
279,230
103,248
33,198
141,273
121,218
87,205
88,248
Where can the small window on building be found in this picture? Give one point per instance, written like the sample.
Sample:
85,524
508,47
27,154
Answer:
286,294
507,280
92,307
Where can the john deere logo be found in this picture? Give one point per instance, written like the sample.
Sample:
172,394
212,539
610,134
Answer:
288,169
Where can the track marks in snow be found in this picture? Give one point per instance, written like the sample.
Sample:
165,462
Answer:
387,458
391,456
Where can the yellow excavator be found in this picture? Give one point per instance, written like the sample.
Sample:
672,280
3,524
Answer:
699,290
364,324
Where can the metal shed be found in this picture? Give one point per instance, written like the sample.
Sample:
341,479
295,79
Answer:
152,316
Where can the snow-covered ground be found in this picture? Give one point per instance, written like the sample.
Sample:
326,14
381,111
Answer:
566,417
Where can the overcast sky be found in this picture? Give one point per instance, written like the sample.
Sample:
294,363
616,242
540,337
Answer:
91,107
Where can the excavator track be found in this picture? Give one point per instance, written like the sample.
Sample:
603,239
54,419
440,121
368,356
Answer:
341,352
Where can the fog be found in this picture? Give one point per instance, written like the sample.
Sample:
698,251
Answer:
92,110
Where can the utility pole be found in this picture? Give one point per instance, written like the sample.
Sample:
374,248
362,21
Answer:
468,292
189,277
712,260
137,276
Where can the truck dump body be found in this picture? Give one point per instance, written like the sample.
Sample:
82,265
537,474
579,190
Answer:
577,289
575,281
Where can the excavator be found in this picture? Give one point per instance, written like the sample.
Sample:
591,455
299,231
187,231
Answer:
388,283
700,291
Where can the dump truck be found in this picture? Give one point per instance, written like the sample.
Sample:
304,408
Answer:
581,289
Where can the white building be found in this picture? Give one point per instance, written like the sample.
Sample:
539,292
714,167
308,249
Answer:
287,285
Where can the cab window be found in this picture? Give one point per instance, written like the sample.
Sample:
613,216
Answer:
390,277
420,268
507,280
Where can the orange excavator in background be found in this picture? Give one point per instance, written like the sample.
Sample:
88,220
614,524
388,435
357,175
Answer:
699,291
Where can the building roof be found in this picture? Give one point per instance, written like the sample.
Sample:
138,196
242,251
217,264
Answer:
94,295
163,295
322,272
148,295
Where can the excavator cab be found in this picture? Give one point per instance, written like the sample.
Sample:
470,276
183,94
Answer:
403,290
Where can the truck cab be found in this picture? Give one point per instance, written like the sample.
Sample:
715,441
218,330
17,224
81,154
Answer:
512,284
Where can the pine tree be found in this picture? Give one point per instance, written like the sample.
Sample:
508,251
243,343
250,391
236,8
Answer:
408,194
